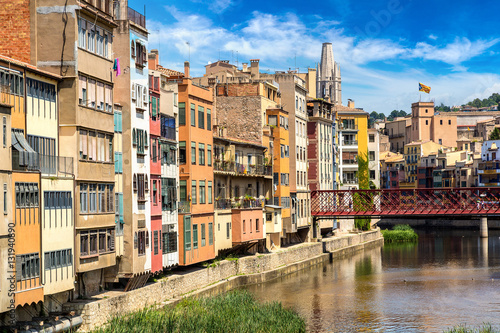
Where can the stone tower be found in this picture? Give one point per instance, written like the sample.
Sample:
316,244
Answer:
328,82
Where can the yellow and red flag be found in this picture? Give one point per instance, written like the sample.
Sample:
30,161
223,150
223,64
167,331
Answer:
424,88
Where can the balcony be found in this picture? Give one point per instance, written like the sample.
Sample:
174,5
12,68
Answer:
46,164
243,169
350,181
224,166
350,162
137,18
348,127
350,142
221,204
184,207
397,135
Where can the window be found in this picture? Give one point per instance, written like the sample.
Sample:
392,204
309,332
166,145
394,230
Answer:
187,233
209,155
142,239
27,266
93,242
169,194
193,115
440,141
92,198
449,122
371,155
209,191
202,192
201,151
228,230
210,233
182,152
195,236
182,113
257,225
4,131
26,195
371,137
83,198
183,190
102,241
441,122
203,235
201,117
193,192
209,120
5,198
141,187
169,242
372,174
82,33
155,242
193,152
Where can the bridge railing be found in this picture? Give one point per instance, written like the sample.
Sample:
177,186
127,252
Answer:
393,202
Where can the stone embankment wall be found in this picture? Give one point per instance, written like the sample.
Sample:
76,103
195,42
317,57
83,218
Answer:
226,275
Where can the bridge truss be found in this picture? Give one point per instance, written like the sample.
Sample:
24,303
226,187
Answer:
406,202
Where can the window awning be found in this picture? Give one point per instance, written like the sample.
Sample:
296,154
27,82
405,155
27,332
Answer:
27,156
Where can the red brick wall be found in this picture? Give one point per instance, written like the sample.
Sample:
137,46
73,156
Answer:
15,29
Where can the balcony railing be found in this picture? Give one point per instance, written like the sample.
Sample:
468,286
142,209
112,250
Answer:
222,204
350,162
350,142
245,169
350,181
348,127
184,207
46,164
137,18
238,204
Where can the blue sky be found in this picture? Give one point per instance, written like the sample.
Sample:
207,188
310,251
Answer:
384,47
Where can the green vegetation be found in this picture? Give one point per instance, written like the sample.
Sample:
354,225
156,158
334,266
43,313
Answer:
485,328
235,311
394,114
495,135
400,233
362,201
494,99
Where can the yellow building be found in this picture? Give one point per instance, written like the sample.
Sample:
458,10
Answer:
281,167
413,152
352,142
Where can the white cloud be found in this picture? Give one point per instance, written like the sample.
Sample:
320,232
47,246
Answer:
277,39
462,49
219,6
433,37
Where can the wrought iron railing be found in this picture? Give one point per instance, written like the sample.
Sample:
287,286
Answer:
46,164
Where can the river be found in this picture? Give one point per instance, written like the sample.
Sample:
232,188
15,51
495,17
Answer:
447,278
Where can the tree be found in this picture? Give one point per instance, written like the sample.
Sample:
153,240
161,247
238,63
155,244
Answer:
477,103
362,223
495,135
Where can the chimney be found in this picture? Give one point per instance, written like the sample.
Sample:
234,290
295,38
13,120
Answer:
153,59
254,68
186,69
245,66
350,103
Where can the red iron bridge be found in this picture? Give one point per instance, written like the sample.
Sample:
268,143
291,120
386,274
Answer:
476,201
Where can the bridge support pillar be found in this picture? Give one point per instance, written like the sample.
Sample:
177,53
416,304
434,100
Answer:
483,227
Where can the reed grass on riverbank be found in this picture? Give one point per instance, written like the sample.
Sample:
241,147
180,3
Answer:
400,233
235,311
485,328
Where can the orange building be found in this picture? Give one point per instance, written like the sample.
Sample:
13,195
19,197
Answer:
25,189
278,118
196,209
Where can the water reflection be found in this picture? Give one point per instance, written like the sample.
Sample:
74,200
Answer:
445,279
